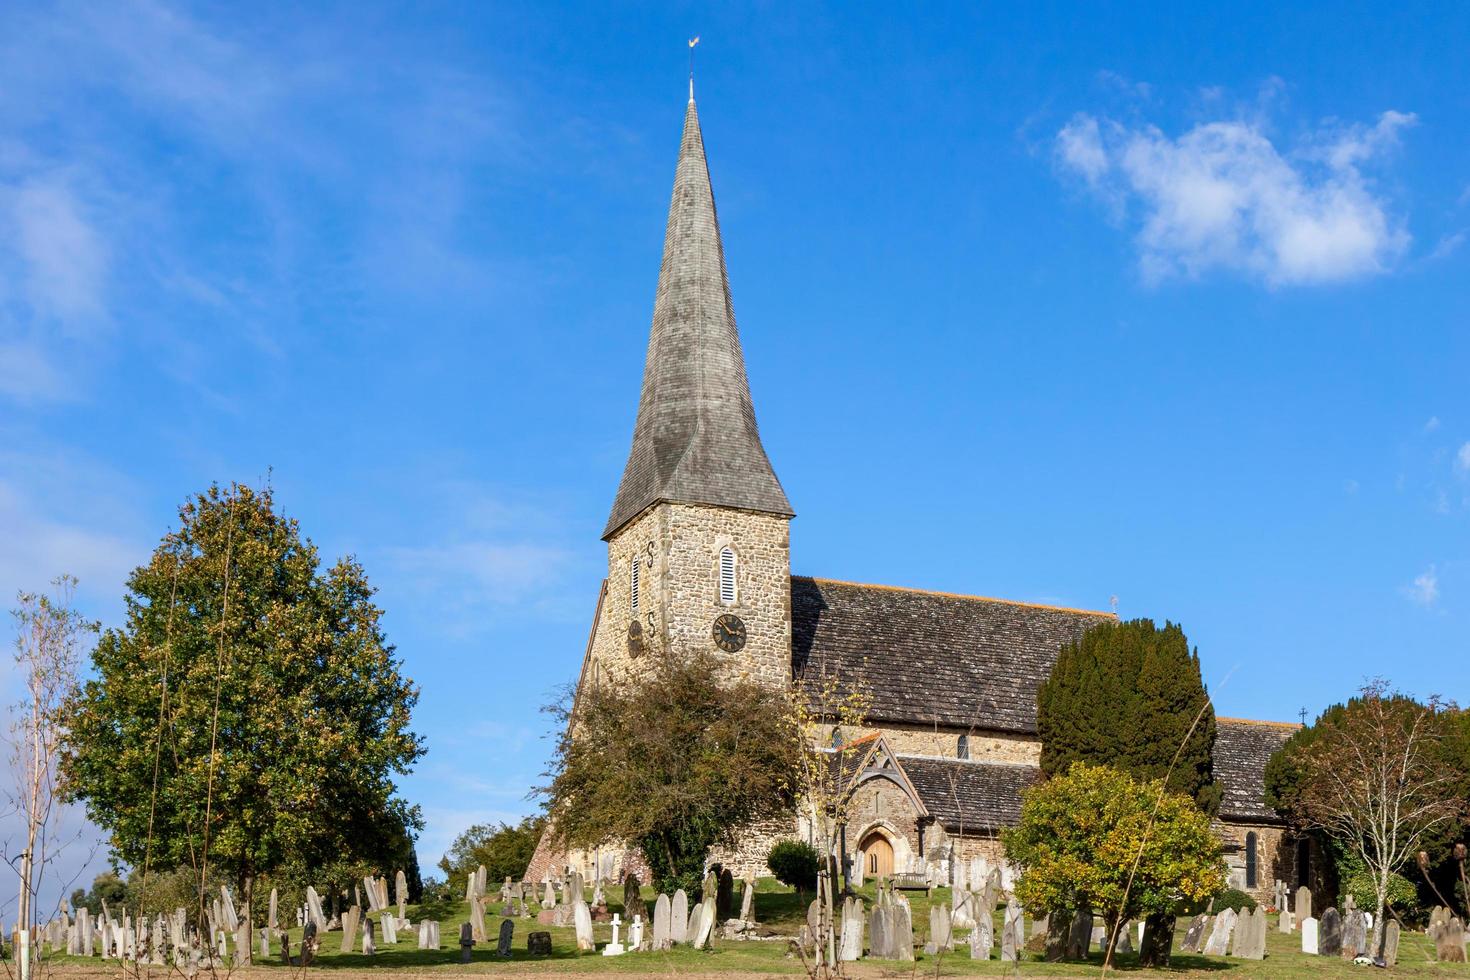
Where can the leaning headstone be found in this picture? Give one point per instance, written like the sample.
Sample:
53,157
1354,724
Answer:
1309,936
1391,945
349,928
538,944
507,934
400,893
1219,940
679,918
1194,936
1329,933
706,925
583,916
265,944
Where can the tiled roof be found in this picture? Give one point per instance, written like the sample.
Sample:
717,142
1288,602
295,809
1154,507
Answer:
695,440
1242,749
969,797
932,657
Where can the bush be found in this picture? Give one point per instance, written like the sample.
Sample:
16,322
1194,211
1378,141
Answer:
1231,898
794,863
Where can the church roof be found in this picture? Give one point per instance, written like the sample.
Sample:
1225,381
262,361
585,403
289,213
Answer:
932,657
970,797
695,440
1242,749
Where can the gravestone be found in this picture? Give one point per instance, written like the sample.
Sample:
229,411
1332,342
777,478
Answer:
706,926
467,941
270,921
583,917
1309,936
724,895
1219,940
880,932
903,930
507,934
1450,946
424,934
982,938
747,900
1329,933
1303,909
1079,935
851,948
941,937
1286,922
368,946
349,928
400,893
661,909
1354,935
1194,936
539,944
1012,936
1391,945
679,918
632,900
548,898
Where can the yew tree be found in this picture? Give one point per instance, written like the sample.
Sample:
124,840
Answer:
675,757
1130,696
249,716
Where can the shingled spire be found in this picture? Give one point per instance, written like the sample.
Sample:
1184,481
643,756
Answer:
695,440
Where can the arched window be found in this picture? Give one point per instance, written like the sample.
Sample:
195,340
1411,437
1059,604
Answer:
836,737
727,576
1250,859
962,747
633,589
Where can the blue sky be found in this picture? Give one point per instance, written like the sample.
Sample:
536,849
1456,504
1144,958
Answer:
1044,303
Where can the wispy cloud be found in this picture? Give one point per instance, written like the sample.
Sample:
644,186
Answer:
1223,196
1424,590
1462,459
1432,424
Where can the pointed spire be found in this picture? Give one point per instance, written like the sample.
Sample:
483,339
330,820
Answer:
696,439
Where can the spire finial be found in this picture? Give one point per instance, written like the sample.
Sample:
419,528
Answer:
692,42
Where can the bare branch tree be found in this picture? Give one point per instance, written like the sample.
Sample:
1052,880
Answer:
1377,783
49,636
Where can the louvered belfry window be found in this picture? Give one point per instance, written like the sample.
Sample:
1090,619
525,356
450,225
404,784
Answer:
633,589
727,576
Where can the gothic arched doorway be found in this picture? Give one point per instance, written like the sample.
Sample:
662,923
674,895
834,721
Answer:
877,854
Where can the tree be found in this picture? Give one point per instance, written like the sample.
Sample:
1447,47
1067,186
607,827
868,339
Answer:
795,863
49,635
1096,838
674,758
1130,695
1374,775
250,715
504,850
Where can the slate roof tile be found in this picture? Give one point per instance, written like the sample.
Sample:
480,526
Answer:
1242,749
969,797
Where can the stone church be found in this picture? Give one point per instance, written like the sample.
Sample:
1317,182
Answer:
698,555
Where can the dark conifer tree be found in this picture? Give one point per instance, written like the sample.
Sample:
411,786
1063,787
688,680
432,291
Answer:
1126,695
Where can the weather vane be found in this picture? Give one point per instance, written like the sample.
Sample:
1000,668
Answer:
692,42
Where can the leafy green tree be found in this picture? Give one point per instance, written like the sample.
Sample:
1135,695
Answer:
674,759
1130,695
1096,838
249,716
106,887
795,863
504,850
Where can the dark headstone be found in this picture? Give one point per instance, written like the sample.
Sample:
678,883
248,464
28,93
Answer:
539,944
1329,934
1194,936
466,941
1158,941
1058,926
1079,938
633,901
724,895
507,931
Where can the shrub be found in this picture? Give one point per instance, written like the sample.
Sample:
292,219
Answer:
794,863
1231,898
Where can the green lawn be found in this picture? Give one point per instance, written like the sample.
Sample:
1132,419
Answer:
783,911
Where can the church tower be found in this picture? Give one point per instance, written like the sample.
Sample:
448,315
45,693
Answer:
698,538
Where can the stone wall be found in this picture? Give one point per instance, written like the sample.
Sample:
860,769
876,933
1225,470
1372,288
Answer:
678,550
984,746
1275,858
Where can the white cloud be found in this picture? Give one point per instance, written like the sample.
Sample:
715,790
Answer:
1432,424
1462,459
1222,196
65,259
1424,590
1446,246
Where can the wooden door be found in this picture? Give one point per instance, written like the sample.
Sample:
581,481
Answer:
877,855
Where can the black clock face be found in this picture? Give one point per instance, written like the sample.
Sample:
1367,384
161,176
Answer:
729,633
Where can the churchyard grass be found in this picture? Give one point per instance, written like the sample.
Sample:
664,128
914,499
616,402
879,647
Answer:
782,910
